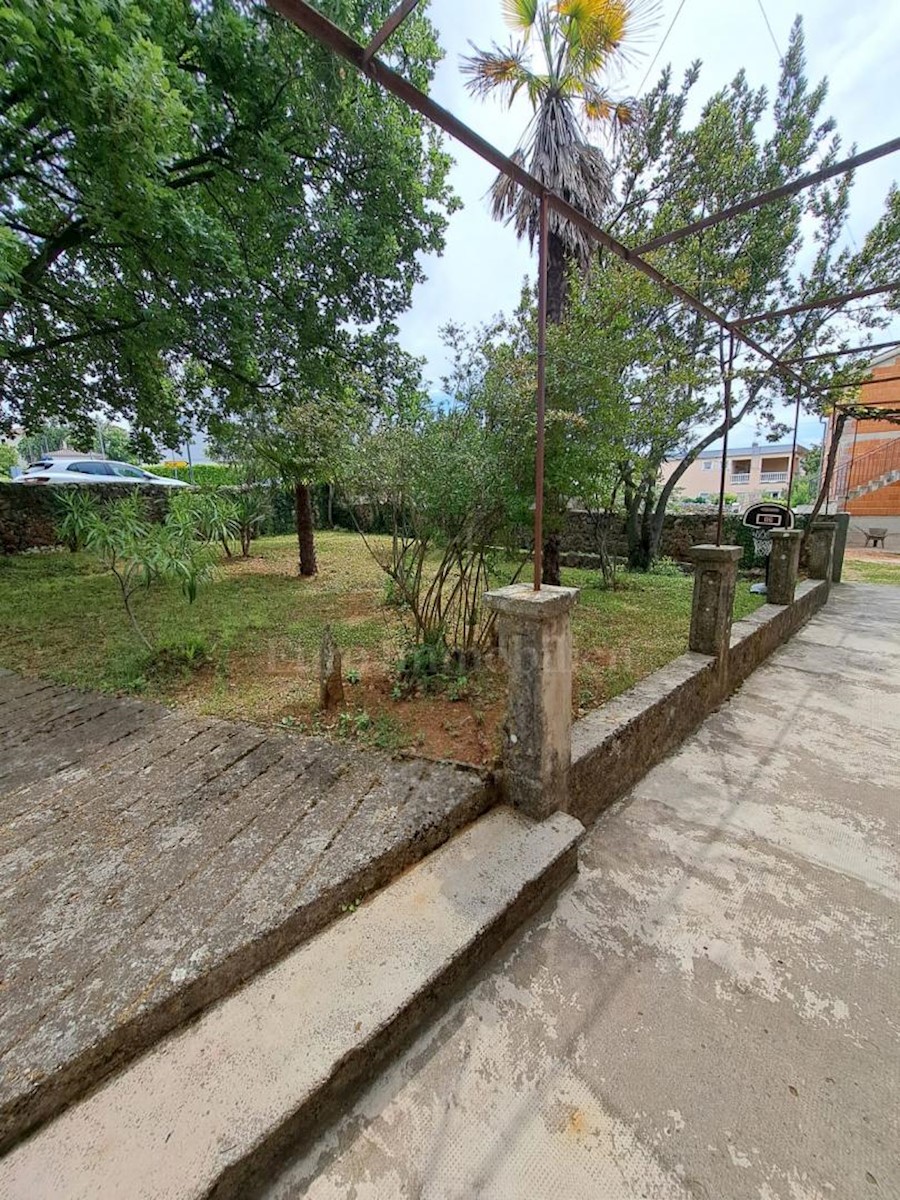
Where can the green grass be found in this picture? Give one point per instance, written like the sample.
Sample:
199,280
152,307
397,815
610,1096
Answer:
620,636
872,571
248,647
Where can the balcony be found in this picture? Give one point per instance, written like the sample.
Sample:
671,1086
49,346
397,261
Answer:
773,477
743,477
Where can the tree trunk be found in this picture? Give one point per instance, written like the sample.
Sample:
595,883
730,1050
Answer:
550,560
556,278
304,518
636,527
828,475
331,506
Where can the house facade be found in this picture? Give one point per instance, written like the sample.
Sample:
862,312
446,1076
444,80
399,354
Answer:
866,480
752,473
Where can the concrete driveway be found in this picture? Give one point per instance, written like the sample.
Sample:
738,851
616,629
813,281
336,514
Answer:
712,1008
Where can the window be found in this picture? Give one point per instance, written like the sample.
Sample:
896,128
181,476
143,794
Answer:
707,465
130,472
90,468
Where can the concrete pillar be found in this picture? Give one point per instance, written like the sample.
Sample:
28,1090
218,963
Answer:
535,630
842,521
784,563
820,549
715,576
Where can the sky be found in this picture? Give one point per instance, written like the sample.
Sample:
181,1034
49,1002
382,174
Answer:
482,268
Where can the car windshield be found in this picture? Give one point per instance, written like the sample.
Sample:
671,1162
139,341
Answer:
130,472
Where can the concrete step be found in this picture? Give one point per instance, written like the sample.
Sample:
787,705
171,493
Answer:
207,1110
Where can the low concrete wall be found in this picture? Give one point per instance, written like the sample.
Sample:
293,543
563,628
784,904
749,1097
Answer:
28,512
615,746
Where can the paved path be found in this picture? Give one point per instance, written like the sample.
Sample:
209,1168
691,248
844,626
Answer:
711,1009
149,862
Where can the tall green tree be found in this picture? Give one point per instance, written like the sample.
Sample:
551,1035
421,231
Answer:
200,208
671,173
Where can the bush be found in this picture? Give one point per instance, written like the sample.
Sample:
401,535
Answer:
77,511
139,554
204,474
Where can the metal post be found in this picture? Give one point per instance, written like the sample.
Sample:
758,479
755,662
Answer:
541,396
720,525
794,447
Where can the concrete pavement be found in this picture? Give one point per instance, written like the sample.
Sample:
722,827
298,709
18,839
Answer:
711,1008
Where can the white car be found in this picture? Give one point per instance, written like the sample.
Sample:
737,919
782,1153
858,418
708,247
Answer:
90,470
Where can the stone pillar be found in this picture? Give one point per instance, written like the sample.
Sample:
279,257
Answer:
842,521
784,563
535,631
715,576
820,550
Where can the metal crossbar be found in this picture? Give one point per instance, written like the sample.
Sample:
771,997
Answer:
826,302
779,193
394,21
317,26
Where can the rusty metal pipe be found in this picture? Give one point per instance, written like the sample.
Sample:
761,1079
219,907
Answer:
543,238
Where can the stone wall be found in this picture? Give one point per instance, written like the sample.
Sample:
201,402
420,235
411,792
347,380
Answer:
582,533
29,512
615,746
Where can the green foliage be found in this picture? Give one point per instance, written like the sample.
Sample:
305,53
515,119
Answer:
207,475
42,441
77,512
97,437
445,486
200,208
210,516
665,566
252,509
9,458
139,553
669,173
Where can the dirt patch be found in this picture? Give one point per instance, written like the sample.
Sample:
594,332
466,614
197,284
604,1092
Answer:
271,691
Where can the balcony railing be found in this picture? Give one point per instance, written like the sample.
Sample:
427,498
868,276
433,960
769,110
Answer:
742,478
773,477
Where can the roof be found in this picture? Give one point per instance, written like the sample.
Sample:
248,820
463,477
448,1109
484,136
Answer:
762,450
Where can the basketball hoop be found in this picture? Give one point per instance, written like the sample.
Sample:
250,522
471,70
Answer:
762,542
762,520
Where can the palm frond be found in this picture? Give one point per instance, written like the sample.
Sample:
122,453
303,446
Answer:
601,108
520,14
496,70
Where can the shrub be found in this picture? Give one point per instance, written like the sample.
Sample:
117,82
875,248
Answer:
139,553
204,474
77,510
251,511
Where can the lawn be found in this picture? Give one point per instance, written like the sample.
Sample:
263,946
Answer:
248,647
871,569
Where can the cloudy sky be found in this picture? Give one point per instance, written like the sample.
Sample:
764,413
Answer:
481,270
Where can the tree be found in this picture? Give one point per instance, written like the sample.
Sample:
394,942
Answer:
564,51
303,443
137,552
773,257
113,442
9,458
200,208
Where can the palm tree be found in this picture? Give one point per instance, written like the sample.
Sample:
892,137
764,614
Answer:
564,48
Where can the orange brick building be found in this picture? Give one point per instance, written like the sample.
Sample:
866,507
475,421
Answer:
867,477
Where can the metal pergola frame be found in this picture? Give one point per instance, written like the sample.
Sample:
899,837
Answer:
316,25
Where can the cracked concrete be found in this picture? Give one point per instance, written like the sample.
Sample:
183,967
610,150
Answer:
710,1009
151,862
